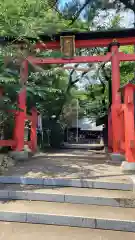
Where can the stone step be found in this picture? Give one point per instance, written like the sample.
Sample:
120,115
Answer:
103,183
21,231
116,198
75,215
84,146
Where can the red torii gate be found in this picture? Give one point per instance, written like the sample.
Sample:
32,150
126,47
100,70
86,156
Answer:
121,137
18,142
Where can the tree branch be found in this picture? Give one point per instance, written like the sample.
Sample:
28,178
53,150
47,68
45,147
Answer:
128,4
70,85
80,10
108,79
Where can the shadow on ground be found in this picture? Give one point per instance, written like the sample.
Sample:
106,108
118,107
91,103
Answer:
68,164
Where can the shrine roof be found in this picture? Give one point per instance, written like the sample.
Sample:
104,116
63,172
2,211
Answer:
120,33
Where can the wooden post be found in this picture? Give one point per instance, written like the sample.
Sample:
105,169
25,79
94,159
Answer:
129,123
33,135
109,132
21,115
116,99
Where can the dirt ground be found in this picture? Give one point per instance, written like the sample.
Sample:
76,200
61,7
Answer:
69,163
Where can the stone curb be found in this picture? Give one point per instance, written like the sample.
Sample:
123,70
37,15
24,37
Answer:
77,221
66,198
64,220
13,216
34,196
81,183
118,225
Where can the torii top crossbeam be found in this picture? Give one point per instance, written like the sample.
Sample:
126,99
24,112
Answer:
82,39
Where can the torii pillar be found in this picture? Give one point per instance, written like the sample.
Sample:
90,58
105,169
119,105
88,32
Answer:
116,103
116,98
21,114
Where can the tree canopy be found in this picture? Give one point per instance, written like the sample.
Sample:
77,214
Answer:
76,8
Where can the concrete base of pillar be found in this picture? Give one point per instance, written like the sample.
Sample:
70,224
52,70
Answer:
27,149
128,166
19,156
117,157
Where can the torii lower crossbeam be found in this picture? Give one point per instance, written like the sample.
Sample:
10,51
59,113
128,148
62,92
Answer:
88,59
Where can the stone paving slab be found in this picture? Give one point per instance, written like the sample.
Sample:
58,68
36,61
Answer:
21,231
